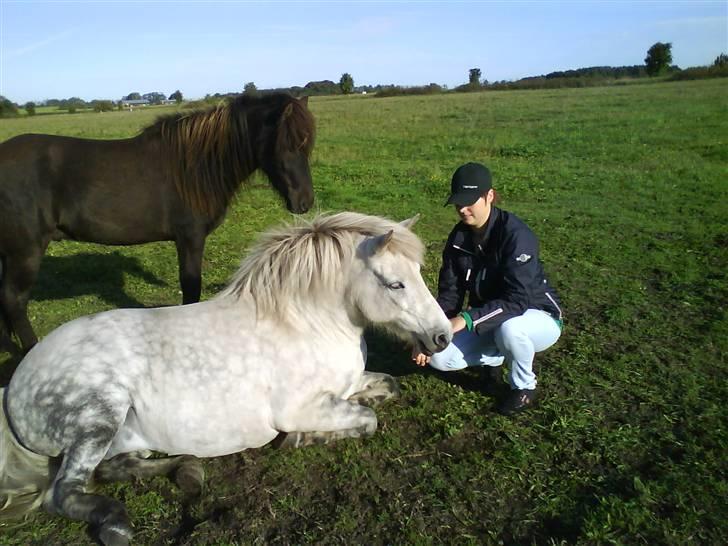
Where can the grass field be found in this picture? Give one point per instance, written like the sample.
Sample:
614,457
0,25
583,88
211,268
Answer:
626,188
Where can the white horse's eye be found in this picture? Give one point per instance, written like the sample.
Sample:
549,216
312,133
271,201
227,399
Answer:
396,285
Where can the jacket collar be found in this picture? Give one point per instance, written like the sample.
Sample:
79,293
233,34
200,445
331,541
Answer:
476,241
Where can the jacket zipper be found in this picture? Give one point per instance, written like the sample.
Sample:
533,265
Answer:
555,304
489,315
478,279
463,250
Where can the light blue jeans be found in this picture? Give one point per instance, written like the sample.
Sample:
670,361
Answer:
516,341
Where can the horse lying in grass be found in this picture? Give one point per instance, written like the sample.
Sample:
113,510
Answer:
172,182
279,351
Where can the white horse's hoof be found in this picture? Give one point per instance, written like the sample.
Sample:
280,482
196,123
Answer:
114,537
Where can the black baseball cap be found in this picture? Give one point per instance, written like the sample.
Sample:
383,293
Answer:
469,183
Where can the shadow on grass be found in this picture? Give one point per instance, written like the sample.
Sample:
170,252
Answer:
67,277
387,354
63,277
392,356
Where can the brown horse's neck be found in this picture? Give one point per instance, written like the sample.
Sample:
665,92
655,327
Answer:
209,156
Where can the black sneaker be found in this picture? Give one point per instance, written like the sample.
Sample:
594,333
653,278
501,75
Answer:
517,400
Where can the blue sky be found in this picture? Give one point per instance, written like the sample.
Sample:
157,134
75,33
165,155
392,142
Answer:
106,49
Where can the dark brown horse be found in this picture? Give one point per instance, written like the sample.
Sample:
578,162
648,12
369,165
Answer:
172,182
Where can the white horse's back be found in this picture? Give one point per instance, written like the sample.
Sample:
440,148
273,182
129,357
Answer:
178,387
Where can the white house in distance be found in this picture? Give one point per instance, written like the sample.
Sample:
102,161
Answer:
146,100
133,102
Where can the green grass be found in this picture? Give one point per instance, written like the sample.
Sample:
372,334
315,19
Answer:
625,186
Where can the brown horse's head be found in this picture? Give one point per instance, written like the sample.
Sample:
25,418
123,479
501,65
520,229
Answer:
211,152
285,149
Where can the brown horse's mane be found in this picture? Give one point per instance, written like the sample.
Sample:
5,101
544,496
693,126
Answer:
211,151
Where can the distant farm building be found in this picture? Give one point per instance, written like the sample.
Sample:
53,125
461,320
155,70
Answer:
134,102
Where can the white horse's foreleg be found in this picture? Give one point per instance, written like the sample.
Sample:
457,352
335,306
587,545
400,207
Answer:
375,388
330,419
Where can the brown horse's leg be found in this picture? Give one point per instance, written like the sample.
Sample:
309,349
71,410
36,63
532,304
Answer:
190,248
19,274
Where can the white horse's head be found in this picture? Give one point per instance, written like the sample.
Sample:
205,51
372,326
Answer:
367,265
388,290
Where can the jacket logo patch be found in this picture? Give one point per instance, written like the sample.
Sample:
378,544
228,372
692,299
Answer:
523,258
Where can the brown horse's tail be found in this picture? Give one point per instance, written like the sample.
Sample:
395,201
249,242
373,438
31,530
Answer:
25,477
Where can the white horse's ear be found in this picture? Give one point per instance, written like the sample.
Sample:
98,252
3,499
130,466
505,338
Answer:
381,242
410,221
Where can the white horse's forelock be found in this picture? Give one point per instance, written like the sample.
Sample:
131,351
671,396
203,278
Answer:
306,260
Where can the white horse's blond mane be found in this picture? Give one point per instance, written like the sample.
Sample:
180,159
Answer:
305,260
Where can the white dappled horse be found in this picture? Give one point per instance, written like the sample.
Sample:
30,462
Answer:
279,353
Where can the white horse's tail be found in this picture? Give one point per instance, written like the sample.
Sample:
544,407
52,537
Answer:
24,475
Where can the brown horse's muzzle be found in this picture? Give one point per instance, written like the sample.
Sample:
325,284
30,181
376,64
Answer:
300,201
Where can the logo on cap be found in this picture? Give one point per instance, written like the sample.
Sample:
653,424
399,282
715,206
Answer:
469,183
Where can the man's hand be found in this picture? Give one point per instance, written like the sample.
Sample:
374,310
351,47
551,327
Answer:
421,359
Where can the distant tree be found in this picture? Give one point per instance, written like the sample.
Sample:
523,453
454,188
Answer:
72,104
323,87
658,59
721,60
133,96
102,105
7,108
176,96
154,97
346,83
30,108
474,77
250,89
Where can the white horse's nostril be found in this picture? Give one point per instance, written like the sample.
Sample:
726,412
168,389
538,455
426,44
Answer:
441,340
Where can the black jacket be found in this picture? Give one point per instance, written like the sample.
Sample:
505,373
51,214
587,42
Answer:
498,269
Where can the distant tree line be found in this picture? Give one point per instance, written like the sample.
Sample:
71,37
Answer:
75,104
657,63
397,90
155,97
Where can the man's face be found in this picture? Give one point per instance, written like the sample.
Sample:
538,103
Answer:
477,214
